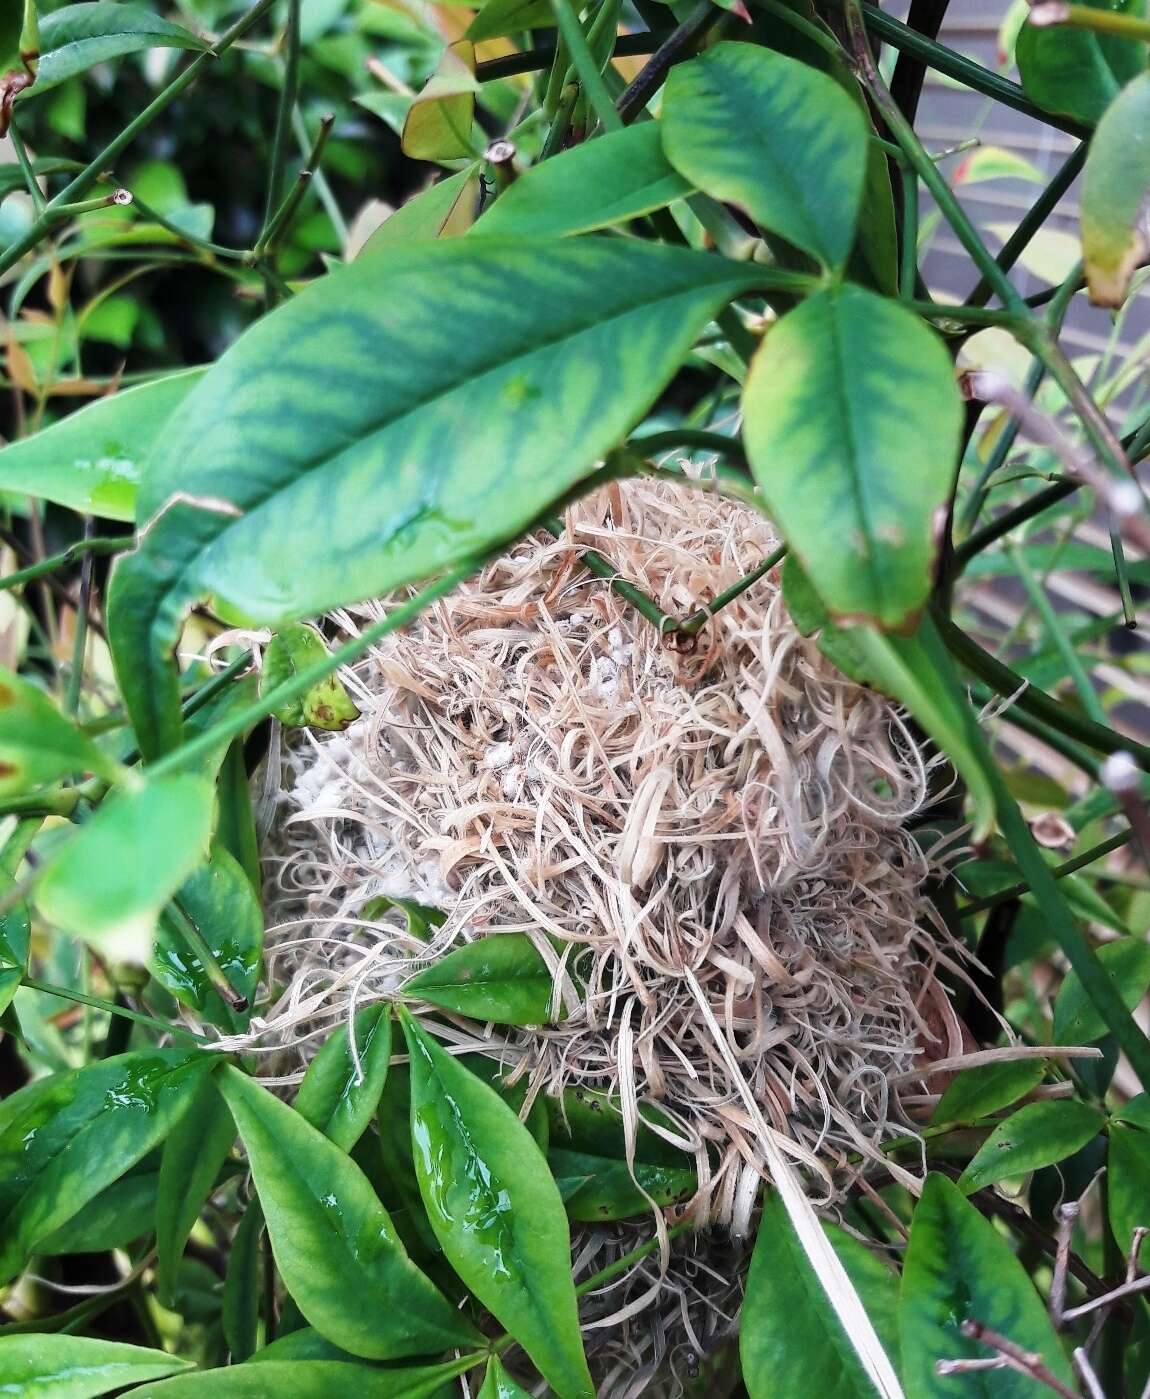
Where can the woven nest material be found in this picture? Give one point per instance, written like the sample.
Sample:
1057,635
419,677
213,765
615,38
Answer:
721,838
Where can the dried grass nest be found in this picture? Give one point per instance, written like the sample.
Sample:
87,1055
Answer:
726,832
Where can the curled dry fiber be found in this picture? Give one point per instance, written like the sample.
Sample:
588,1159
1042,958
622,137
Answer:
718,840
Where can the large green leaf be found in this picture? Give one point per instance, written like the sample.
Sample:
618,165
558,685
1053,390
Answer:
616,177
123,1211
1115,190
66,1137
333,1242
852,422
501,978
1128,1179
485,409
108,882
495,1210
1038,1134
219,903
498,1384
341,1090
791,1340
1076,1020
91,461
77,1367
195,1150
77,37
959,1268
240,1308
1078,72
37,744
309,1379
974,1093
782,140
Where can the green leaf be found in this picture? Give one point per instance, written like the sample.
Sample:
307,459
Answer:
616,177
447,445
852,422
340,1092
77,1367
498,1384
308,1379
65,1138
782,140
501,978
438,123
444,210
240,1312
1115,190
1128,1177
959,1268
1127,961
195,1150
12,177
1136,1111
791,1340
1077,72
37,744
499,17
91,460
977,1092
495,1210
1038,1134
77,37
327,705
588,1160
917,671
124,1211
108,882
422,920
334,1244
220,903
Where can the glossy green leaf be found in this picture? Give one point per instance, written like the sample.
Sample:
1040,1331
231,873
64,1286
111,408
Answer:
445,210
91,461
616,177
917,671
588,1158
37,744
1038,1134
77,37
108,882
195,1150
243,1290
328,705
220,904
495,1210
975,1093
852,422
65,1138
1127,961
791,1340
308,1379
341,1090
782,140
501,978
1128,1178
445,446
77,1367
959,1268
1076,72
498,1384
124,1211
499,17
1115,192
333,1242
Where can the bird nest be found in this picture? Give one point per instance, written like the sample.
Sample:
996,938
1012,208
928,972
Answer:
718,838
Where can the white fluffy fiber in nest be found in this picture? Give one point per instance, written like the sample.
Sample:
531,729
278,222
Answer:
725,831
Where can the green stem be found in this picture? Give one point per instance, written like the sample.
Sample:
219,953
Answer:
87,177
35,193
692,625
281,220
80,640
908,260
284,108
585,65
98,545
1009,520
603,568
1016,891
98,1003
1099,21
1007,682
690,439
